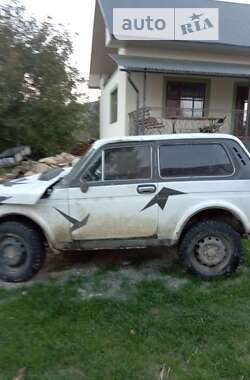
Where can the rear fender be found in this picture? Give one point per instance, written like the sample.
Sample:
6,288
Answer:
226,206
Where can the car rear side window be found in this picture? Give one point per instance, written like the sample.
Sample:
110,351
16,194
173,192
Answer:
127,163
194,160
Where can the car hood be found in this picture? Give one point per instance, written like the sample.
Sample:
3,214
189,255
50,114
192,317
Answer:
29,190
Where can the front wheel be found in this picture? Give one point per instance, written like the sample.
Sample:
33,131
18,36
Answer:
22,252
211,249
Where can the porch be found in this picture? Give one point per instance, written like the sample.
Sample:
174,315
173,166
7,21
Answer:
156,120
179,96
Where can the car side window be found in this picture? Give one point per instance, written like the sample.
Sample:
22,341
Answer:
194,160
127,163
94,172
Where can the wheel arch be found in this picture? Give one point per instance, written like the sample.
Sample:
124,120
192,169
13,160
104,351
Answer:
27,220
219,213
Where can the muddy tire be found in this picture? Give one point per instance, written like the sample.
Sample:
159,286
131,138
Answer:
22,252
211,249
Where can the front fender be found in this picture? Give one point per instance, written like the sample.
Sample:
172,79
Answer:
30,213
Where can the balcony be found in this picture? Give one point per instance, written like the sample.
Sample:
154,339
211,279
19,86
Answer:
155,120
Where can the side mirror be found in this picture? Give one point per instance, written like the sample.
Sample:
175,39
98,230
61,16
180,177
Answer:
84,185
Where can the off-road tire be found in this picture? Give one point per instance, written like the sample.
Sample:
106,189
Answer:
202,232
28,243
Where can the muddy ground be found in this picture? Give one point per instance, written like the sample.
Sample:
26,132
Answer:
109,274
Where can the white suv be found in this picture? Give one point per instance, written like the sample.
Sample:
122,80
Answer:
187,190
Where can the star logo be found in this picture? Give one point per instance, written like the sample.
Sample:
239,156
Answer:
195,17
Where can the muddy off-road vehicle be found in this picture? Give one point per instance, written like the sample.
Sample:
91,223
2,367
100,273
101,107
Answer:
191,190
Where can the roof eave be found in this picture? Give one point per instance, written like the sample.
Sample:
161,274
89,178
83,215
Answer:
181,67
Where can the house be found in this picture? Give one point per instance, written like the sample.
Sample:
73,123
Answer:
172,86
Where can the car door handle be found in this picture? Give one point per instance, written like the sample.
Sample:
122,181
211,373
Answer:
146,189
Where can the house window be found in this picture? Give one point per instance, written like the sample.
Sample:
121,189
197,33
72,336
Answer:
114,106
186,99
194,160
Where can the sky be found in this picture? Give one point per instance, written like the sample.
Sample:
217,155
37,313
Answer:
78,17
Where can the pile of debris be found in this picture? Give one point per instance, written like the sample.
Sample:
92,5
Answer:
28,167
18,158
14,155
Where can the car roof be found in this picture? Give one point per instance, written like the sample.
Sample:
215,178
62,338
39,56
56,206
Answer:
180,136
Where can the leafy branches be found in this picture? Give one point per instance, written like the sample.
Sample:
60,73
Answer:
38,85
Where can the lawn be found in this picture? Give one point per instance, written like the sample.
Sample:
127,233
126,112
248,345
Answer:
167,327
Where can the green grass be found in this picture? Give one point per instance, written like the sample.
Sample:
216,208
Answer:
200,331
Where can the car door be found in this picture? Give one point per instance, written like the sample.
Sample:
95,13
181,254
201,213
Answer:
120,184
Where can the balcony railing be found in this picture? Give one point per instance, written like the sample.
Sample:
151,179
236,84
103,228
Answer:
155,120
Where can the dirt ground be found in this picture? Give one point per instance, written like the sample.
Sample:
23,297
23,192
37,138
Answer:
108,273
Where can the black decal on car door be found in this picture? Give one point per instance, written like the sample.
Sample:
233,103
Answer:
76,223
3,199
162,197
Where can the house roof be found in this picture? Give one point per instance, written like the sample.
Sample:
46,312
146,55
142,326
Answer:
173,66
234,36
234,18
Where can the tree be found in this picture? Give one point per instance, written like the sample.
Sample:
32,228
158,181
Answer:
89,117
38,85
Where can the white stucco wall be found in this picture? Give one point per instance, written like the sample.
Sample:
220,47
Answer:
107,129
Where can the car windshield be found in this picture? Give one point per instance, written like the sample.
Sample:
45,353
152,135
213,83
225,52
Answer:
78,166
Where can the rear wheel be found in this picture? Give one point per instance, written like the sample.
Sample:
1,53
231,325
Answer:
211,249
22,252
